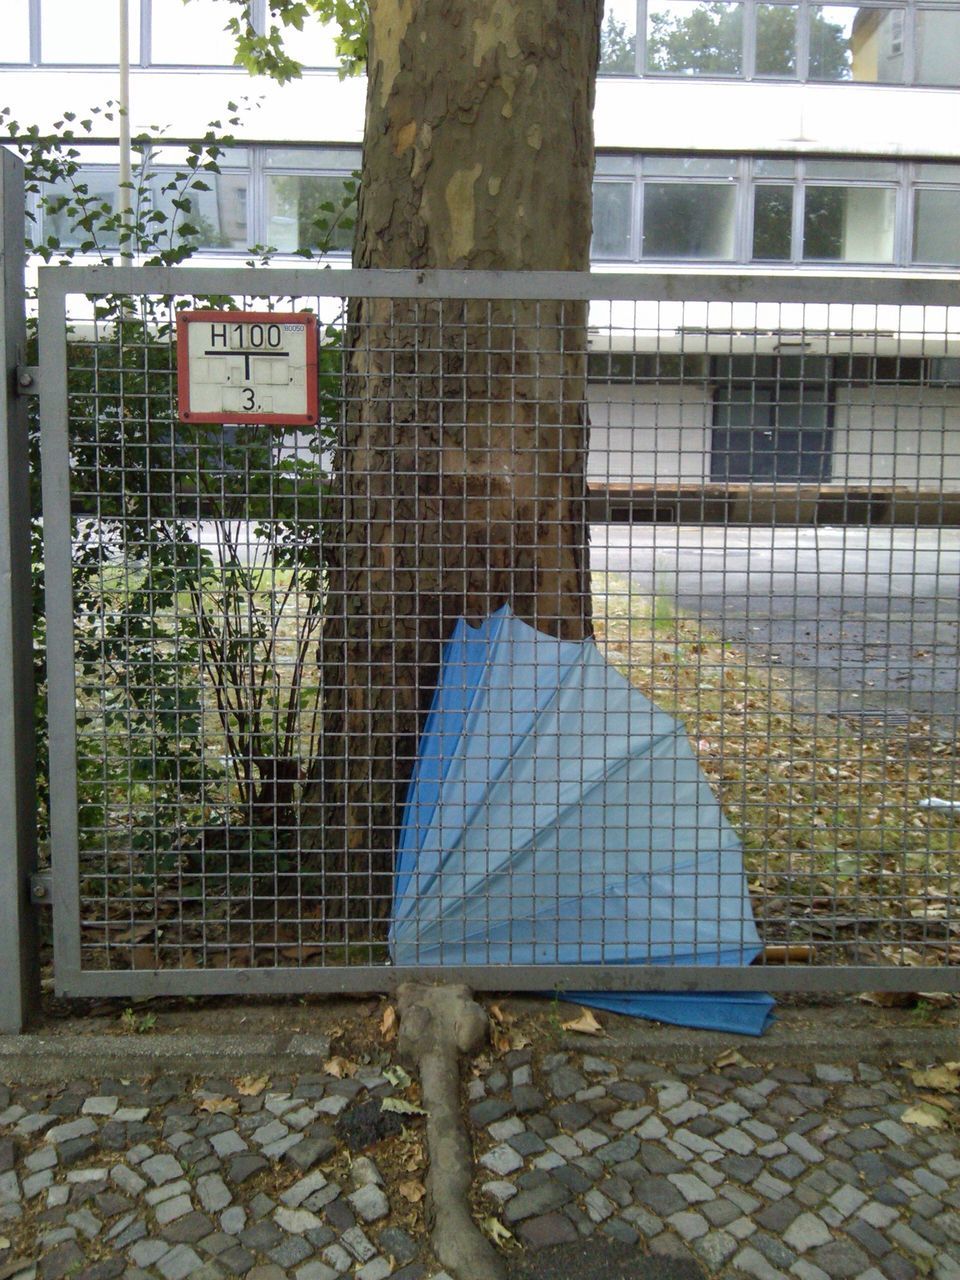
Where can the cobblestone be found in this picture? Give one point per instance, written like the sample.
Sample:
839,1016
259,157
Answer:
744,1172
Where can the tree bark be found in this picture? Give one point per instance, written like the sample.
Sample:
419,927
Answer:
462,463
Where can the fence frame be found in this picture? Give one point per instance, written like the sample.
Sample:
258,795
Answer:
57,283
19,931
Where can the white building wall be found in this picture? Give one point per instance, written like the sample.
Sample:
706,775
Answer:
907,436
647,433
882,436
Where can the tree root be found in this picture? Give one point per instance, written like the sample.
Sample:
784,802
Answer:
436,1025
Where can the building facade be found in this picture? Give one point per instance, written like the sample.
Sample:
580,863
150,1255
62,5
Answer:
756,137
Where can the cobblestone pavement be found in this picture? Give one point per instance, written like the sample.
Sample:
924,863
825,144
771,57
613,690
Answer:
179,1178
734,1170
784,1173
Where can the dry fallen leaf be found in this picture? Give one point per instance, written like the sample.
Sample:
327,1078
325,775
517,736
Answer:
924,1116
412,1190
501,1015
497,1232
252,1086
218,1106
397,1076
941,1078
585,1025
402,1107
731,1058
339,1067
388,1024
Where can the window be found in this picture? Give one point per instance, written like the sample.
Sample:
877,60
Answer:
618,38
16,32
938,46
217,209
936,215
881,42
87,34
309,199
771,420
773,210
689,38
179,32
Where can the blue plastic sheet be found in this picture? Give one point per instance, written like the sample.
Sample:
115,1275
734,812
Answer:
556,816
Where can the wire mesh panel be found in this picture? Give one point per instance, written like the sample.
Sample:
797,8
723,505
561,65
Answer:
602,633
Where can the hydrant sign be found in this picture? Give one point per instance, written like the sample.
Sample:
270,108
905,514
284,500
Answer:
247,366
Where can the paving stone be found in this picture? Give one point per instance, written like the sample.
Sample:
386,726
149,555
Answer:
565,1081
189,1229
310,1151
806,1232
318,1270
369,1203
488,1111
241,1168
841,1259
535,1201
236,1260
338,1258
546,1230
157,1195
162,1168
181,1261
290,1251
661,1196
501,1160
228,1143
358,1244
693,1189
172,1209
303,1188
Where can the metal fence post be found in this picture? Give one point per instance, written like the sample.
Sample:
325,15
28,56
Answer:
19,951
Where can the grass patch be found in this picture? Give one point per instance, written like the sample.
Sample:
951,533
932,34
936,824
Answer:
828,815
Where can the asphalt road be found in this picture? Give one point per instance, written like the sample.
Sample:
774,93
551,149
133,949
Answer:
862,621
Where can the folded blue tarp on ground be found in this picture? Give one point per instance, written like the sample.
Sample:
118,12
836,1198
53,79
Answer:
556,816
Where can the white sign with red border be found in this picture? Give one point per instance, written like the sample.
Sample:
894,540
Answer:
247,367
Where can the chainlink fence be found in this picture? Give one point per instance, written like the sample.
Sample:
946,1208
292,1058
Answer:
760,528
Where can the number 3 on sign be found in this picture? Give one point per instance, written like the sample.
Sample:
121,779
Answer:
247,367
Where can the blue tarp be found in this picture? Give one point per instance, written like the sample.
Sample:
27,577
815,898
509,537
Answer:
556,816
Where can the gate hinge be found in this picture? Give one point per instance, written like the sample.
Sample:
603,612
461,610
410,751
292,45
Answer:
41,889
28,380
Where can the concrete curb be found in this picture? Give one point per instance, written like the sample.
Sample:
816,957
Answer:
42,1057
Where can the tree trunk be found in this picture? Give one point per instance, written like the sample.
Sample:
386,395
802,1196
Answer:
462,464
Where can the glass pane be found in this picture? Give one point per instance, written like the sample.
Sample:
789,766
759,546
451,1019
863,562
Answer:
346,159
15,46
91,194
614,164
772,219
763,168
688,220
936,227
85,33
853,170
612,218
190,34
848,224
314,46
776,40
618,38
938,47
863,44
298,219
219,214
694,39
690,166
938,173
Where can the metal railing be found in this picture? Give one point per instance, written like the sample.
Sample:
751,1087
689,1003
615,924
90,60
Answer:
758,529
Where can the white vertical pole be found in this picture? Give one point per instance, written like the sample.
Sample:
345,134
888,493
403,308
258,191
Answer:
124,203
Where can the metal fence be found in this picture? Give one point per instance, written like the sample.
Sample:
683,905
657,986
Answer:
745,490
